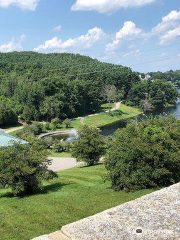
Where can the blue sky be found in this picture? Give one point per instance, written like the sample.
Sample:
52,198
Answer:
137,33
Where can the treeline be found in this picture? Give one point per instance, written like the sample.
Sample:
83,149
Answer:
170,76
45,86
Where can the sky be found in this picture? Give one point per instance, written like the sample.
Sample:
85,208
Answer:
141,34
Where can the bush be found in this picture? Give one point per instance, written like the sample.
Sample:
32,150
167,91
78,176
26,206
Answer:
89,147
23,168
56,122
36,128
61,146
145,155
67,123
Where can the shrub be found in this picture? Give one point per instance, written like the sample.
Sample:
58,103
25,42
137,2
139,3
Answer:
67,123
89,147
61,146
145,155
24,167
36,128
56,122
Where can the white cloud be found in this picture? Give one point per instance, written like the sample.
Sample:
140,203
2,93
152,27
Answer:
169,21
168,29
13,45
170,36
129,31
23,4
57,28
108,6
95,35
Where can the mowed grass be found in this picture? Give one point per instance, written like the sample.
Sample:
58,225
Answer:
76,194
60,155
124,112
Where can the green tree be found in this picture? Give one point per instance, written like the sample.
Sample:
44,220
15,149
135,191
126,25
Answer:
27,114
7,114
109,94
145,155
67,123
24,167
90,146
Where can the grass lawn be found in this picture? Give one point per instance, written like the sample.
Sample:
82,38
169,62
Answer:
78,193
105,107
124,112
63,154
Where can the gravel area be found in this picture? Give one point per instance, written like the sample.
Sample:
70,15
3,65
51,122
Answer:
59,164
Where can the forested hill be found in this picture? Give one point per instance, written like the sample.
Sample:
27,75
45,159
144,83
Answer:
44,86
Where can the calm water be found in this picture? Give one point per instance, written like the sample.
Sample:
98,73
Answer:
110,129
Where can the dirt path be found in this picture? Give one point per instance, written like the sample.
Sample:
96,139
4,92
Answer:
14,129
82,120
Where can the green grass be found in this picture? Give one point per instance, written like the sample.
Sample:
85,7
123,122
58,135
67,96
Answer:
78,193
105,107
60,155
123,113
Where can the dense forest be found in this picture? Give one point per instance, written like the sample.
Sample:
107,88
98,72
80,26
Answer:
44,86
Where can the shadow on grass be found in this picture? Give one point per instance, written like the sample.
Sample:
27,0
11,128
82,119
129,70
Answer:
46,190
116,113
87,166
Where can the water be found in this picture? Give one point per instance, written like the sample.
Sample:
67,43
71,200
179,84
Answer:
175,110
66,136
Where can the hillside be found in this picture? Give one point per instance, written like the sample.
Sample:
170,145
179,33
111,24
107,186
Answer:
44,86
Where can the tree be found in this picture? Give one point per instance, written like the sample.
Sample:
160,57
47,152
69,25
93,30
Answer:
145,155
7,114
89,147
67,123
109,94
27,114
146,105
24,167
